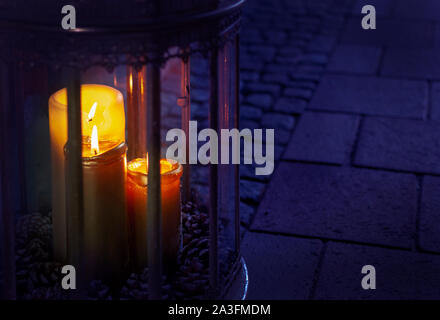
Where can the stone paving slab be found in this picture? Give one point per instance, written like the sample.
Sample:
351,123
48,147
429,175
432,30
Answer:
265,88
429,226
399,274
355,59
290,105
298,92
273,120
435,101
246,213
322,44
250,112
251,191
384,8
343,203
399,144
414,63
417,9
371,96
280,267
323,137
261,100
281,70
390,32
276,78
248,171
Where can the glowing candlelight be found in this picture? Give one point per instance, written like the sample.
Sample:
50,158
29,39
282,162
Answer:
102,113
92,111
137,189
95,144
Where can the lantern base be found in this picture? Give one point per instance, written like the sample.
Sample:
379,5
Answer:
39,276
238,286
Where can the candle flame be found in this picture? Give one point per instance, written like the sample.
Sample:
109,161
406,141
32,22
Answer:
95,144
140,165
141,83
135,165
92,111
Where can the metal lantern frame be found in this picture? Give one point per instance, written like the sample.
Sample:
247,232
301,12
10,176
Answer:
143,44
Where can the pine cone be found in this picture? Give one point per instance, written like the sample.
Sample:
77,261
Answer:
52,293
34,226
197,248
136,287
34,251
26,258
47,274
99,291
195,224
199,197
192,280
22,277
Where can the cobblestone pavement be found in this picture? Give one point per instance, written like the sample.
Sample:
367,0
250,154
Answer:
357,146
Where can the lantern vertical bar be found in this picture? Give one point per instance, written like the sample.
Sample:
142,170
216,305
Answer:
213,176
237,125
16,76
7,231
142,116
74,175
132,113
154,215
186,117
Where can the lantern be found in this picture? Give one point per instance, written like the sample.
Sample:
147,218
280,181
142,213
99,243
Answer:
89,116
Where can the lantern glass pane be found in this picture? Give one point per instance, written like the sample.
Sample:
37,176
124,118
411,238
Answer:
2,246
200,114
171,100
113,118
229,158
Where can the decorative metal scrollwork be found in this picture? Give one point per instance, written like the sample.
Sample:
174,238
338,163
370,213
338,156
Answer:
137,38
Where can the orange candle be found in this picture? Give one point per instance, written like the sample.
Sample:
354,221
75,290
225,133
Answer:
137,184
102,109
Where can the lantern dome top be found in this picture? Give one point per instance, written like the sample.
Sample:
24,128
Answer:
92,14
113,32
